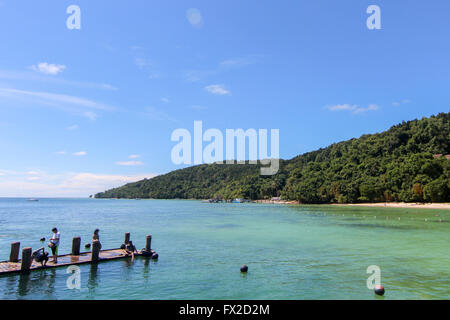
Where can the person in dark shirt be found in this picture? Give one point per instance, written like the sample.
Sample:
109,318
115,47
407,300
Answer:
40,255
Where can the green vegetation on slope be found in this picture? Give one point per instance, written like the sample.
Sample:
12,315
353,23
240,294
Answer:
396,165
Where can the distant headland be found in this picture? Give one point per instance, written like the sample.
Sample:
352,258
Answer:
409,163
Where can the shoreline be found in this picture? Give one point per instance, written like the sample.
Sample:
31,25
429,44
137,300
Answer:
412,205
408,205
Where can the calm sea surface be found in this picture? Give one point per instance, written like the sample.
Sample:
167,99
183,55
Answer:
293,252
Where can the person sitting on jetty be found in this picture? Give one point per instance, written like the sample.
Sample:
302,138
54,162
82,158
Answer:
54,243
40,255
96,236
130,249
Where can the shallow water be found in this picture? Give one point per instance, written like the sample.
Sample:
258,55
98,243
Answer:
293,252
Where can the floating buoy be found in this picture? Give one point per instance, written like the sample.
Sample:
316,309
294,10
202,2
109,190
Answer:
244,268
87,245
146,253
379,290
42,239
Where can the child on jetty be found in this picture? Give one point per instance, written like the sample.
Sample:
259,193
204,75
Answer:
54,243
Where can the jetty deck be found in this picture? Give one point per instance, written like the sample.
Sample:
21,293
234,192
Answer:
27,263
66,260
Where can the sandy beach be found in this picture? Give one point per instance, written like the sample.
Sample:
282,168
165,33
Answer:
401,205
417,205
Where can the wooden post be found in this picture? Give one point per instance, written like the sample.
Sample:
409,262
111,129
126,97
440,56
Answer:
127,237
14,256
26,260
95,250
148,243
76,243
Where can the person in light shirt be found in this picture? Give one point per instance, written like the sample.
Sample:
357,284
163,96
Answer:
54,244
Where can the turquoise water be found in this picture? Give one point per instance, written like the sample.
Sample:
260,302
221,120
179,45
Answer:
293,252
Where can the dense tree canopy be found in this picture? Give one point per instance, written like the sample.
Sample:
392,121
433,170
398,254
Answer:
401,164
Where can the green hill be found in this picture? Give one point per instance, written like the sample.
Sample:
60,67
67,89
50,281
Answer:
400,164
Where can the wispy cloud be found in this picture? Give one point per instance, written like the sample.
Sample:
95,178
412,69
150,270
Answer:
194,17
198,108
71,184
355,109
399,103
217,89
73,127
79,153
129,163
48,68
143,62
31,76
81,106
134,156
165,100
241,61
156,114
195,75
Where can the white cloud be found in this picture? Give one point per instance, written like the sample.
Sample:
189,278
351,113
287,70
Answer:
241,61
29,76
129,163
80,153
355,109
90,115
217,89
134,156
399,103
194,17
73,104
198,108
195,75
155,114
143,63
165,100
48,68
73,127
16,184
60,152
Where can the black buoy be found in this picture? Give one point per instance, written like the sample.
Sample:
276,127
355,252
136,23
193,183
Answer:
379,290
155,256
146,253
87,245
42,239
244,268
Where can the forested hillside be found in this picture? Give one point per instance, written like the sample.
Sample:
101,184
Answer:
401,164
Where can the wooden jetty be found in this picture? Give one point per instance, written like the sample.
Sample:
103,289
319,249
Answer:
27,264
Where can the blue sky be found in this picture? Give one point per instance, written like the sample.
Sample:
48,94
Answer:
84,110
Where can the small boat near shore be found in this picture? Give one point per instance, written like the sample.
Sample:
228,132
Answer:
33,200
